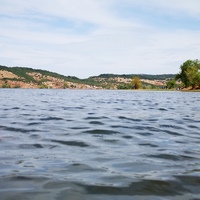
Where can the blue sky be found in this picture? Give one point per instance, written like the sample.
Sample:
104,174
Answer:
88,37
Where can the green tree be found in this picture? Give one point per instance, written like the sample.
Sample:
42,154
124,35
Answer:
189,74
147,86
5,85
124,86
136,83
193,76
43,86
65,85
171,84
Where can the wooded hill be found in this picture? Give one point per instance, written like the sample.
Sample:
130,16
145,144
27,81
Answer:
23,77
142,76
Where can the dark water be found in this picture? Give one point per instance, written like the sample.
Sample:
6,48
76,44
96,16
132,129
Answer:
99,145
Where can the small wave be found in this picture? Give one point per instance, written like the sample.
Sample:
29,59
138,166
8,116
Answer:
35,136
131,119
101,132
172,157
95,118
127,136
34,123
15,108
71,143
51,118
30,146
36,146
147,128
189,180
14,177
21,130
143,187
171,126
78,128
144,133
162,109
120,126
82,168
172,133
152,119
112,141
148,144
96,123
73,108
193,127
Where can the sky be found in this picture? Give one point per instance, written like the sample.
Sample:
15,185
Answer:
86,38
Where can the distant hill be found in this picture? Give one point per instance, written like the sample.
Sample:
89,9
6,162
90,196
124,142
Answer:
23,72
141,76
23,77
123,81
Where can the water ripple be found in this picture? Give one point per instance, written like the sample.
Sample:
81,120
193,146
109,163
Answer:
71,143
21,130
79,144
101,132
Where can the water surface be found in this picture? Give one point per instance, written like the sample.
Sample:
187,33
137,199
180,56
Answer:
99,145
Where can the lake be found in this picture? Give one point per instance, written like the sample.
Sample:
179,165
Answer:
99,145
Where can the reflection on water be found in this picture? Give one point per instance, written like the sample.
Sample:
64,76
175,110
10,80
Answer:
101,145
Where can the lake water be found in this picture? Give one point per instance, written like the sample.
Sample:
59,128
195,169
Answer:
99,145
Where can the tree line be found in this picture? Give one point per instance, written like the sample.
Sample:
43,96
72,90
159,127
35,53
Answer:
188,77
142,76
190,74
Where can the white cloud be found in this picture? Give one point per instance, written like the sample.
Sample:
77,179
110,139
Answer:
85,38
91,11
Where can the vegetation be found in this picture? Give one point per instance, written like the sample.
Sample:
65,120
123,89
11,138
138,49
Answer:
124,86
43,86
148,86
17,86
5,85
23,73
136,83
190,74
65,85
142,76
171,84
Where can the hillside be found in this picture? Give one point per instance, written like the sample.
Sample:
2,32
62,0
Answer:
142,76
22,77
116,81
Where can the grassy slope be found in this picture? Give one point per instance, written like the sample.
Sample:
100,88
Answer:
23,73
